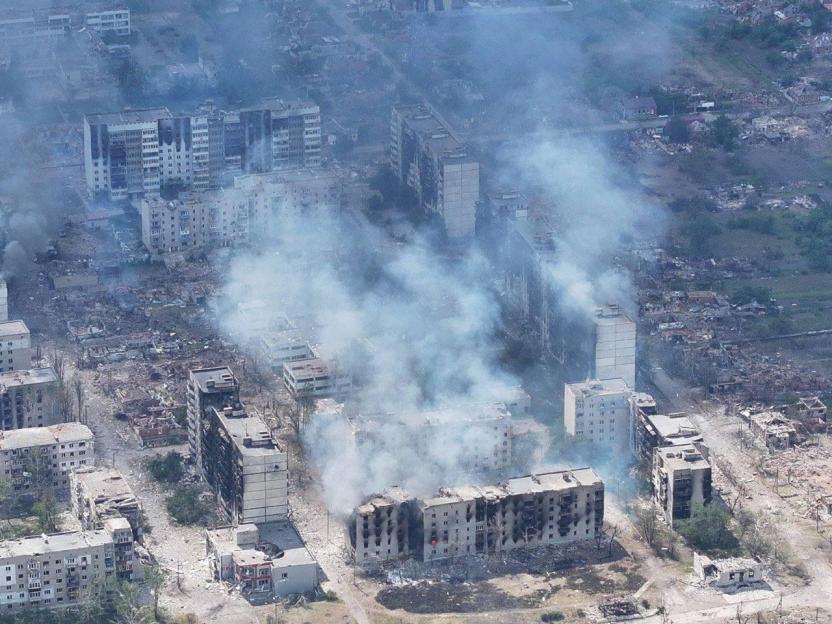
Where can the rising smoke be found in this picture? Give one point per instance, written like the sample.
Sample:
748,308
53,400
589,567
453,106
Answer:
421,331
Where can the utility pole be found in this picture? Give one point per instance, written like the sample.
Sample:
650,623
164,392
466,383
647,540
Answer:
179,574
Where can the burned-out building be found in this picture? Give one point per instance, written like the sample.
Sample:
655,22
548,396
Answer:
315,378
244,465
208,388
101,498
545,509
773,429
29,398
653,431
681,480
728,574
426,156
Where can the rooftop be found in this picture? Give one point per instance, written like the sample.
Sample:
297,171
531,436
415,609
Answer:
10,328
673,426
214,379
55,543
598,387
611,315
686,456
250,434
44,436
28,377
106,485
129,116
557,480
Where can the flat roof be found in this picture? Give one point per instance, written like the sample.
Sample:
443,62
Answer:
55,543
220,377
30,377
44,436
685,456
557,480
143,115
10,328
105,484
673,426
242,428
599,387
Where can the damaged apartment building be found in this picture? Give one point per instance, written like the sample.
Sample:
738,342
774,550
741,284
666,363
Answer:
425,155
236,452
38,460
546,509
135,153
102,499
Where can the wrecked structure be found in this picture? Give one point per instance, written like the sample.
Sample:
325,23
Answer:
38,460
102,499
652,431
425,154
208,388
262,562
773,429
29,398
728,574
551,508
315,378
681,479
244,466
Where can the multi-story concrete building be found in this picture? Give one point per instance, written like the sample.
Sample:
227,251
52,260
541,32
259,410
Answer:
99,493
315,378
615,345
280,135
38,460
553,508
56,570
25,24
244,465
208,388
29,398
115,20
121,153
15,346
4,301
194,222
681,480
482,432
599,411
426,156
208,150
661,430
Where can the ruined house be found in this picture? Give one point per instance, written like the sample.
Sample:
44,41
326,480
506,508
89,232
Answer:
774,430
728,574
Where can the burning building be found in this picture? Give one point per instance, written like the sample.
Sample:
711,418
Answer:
553,508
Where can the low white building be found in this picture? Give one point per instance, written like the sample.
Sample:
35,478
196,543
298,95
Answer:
728,574
263,562
599,411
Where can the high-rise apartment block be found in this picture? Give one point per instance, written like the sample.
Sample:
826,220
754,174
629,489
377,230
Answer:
29,398
245,467
15,346
600,412
681,480
425,155
235,451
4,301
615,345
38,460
553,508
208,388
136,153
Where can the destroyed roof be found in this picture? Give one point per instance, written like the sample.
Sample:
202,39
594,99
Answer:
44,436
106,487
249,434
129,116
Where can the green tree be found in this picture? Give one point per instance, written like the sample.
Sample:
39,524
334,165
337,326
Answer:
677,130
185,505
166,468
154,580
747,294
708,529
725,133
